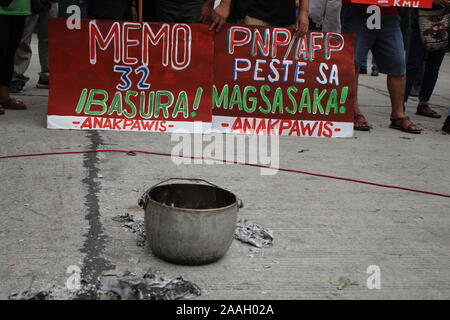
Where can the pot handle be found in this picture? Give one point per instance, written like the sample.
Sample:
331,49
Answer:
142,201
240,203
186,179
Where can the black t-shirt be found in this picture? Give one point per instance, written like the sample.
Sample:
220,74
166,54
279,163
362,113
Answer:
277,12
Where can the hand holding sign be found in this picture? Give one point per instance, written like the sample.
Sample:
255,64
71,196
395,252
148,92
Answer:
215,17
268,81
160,77
302,24
130,76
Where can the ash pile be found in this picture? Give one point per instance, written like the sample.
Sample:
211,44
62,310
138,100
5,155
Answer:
120,285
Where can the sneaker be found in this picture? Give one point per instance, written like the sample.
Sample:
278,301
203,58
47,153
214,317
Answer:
16,86
446,127
362,70
42,84
375,72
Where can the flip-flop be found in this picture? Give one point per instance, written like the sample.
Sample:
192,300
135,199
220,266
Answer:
405,125
360,123
430,114
13,104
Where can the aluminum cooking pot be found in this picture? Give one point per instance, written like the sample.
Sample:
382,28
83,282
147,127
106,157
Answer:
189,223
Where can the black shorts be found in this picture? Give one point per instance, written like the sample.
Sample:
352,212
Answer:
187,11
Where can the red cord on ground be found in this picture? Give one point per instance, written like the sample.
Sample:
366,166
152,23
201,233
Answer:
135,152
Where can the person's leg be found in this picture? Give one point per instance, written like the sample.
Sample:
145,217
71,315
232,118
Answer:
149,10
42,31
22,57
5,76
191,11
108,10
332,18
363,67
389,53
415,59
431,74
169,11
315,25
396,88
255,22
375,71
446,126
317,9
354,22
399,120
415,91
83,6
17,26
12,29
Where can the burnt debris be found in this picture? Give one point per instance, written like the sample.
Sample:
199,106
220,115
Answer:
253,234
134,225
246,231
150,287
120,285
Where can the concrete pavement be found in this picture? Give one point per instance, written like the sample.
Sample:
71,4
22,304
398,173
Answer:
56,211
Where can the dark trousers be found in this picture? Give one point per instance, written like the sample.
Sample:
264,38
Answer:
149,10
179,11
11,29
109,9
416,58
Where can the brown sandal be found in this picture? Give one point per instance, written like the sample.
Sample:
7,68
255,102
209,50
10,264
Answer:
405,125
13,104
425,110
360,123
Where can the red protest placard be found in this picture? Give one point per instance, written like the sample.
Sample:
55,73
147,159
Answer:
398,3
267,81
130,76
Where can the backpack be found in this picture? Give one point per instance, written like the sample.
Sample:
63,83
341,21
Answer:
433,25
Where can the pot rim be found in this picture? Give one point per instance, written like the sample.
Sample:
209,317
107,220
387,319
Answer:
144,199
186,210
147,199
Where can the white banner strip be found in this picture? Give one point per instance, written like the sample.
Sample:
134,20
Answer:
299,128
237,125
119,124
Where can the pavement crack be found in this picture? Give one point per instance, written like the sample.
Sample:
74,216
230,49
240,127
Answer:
38,213
386,94
379,91
93,264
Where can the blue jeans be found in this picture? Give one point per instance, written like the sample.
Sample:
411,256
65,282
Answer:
386,43
416,57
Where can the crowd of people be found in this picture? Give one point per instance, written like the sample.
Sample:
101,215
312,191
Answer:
399,47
